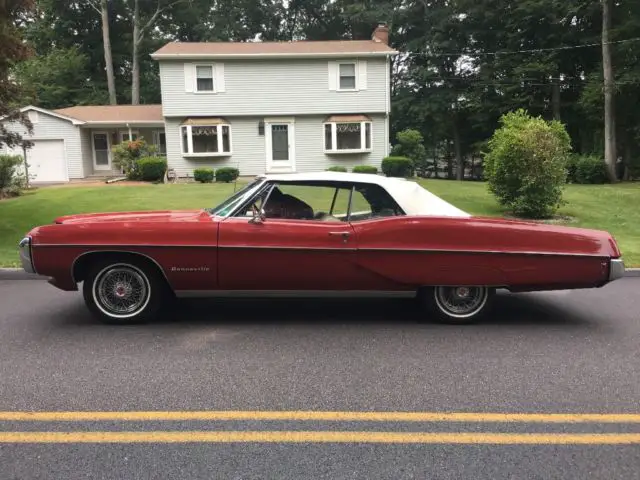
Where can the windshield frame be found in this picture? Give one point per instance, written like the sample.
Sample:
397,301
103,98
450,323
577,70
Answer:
228,206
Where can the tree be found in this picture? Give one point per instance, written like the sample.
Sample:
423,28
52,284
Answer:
102,8
610,152
12,50
57,79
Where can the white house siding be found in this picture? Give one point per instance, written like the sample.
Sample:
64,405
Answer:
274,87
249,151
52,128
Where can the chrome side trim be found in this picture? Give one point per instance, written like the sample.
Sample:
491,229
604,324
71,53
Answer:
73,264
616,269
26,258
367,249
294,294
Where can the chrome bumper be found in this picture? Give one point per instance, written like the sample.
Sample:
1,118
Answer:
616,269
25,255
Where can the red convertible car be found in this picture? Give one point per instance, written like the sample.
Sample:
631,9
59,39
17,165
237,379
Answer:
317,233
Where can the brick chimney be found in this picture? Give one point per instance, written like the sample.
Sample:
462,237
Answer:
381,34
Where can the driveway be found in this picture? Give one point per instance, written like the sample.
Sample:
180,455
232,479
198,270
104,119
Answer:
194,396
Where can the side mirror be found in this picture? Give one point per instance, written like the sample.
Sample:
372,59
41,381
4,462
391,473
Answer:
259,216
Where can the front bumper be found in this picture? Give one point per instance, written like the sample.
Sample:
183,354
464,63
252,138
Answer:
616,269
26,258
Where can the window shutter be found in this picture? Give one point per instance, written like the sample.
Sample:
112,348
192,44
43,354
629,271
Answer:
219,77
362,75
333,75
189,77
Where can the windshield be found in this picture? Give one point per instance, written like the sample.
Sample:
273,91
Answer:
230,203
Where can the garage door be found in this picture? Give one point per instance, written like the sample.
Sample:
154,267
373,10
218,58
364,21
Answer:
46,161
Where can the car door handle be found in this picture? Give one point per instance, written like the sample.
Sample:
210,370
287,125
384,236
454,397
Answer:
339,234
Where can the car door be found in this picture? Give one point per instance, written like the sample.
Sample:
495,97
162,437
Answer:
290,253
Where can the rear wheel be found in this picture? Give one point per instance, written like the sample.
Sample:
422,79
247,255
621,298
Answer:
457,304
121,292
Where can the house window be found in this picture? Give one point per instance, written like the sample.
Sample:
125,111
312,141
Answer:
206,140
204,78
347,137
347,76
160,141
125,137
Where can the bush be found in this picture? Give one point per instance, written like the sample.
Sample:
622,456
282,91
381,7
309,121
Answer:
152,169
397,167
411,145
127,153
336,168
227,174
586,169
11,181
525,164
365,169
203,175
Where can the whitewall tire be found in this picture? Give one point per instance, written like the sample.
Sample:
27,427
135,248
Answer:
456,304
123,292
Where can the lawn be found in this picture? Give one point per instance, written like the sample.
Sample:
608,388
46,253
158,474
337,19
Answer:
612,208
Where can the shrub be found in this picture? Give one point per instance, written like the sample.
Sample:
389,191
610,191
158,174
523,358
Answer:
151,169
525,164
11,180
586,169
337,168
127,153
397,167
365,169
227,174
203,175
411,145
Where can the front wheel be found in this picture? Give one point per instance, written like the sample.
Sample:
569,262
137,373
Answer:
121,292
456,304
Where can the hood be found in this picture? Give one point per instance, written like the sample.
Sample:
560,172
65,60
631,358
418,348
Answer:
128,217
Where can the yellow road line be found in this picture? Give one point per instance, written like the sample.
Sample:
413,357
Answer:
322,437
151,416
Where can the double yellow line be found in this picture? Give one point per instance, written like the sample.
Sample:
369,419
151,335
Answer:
320,436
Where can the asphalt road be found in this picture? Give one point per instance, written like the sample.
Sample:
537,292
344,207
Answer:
552,353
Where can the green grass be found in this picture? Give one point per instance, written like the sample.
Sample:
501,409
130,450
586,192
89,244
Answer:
612,208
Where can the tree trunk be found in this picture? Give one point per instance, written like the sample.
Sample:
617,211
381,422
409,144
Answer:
610,153
555,99
458,151
108,59
135,69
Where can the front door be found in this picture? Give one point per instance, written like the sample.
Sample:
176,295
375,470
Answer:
101,151
280,147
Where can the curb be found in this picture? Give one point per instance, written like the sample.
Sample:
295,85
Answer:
20,274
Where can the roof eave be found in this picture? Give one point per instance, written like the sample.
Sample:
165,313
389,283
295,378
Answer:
75,121
154,123
214,56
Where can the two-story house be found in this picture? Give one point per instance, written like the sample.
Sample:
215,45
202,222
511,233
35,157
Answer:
276,106
257,106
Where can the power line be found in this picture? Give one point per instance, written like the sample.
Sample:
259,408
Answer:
513,52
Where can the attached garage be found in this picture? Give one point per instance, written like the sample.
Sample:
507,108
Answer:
46,160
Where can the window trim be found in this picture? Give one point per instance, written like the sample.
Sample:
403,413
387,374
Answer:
355,77
334,138
212,66
219,153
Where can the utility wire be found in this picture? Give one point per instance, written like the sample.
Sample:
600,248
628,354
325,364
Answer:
513,52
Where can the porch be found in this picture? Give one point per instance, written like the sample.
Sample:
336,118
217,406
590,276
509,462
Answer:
98,142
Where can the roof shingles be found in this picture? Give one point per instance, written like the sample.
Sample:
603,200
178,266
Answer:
114,113
301,47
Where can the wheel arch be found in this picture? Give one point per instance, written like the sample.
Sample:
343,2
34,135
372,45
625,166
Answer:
81,264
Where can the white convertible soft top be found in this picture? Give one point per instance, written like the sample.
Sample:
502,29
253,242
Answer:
411,196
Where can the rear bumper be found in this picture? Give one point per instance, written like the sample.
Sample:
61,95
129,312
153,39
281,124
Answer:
616,269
